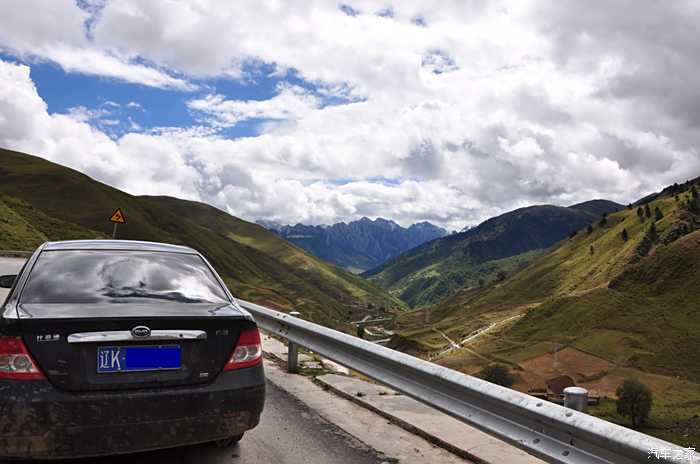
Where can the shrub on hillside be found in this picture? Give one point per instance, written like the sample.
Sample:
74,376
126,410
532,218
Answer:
603,220
624,235
498,374
658,215
634,401
652,233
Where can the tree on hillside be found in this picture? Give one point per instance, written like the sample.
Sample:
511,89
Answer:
629,205
640,213
501,276
652,233
694,192
589,230
694,205
658,215
647,211
603,220
634,401
624,235
498,374
591,249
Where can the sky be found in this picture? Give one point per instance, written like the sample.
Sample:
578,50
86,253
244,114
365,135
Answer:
319,111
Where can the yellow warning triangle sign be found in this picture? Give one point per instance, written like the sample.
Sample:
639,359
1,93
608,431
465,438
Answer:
118,217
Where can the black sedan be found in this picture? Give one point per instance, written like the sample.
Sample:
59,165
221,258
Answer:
112,346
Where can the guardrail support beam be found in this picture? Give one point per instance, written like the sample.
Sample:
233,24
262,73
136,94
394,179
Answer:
293,351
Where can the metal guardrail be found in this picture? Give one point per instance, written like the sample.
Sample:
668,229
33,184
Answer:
546,430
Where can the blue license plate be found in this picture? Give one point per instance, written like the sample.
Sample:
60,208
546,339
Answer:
138,358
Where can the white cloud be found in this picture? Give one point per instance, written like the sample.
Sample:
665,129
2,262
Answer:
55,30
485,107
291,102
26,125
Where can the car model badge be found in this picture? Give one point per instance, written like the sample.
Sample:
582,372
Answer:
141,331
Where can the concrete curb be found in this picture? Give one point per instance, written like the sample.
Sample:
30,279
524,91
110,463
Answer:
393,443
403,424
441,431
15,254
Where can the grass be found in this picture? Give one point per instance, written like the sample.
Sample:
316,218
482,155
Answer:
15,232
47,227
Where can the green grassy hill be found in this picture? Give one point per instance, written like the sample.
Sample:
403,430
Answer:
496,248
631,305
42,200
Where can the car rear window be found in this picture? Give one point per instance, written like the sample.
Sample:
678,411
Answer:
72,276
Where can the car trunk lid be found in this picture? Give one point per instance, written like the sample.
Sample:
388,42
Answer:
85,347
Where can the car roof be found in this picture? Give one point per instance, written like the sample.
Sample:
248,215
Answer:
133,245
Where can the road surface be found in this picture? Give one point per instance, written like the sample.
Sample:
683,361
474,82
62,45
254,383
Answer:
9,266
288,433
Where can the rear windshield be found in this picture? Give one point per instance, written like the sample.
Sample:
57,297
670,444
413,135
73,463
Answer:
70,276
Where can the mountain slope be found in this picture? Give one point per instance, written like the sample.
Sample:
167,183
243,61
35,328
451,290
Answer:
358,245
583,266
635,302
597,307
499,246
58,202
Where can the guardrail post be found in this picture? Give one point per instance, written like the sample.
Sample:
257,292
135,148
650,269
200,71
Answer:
293,351
576,398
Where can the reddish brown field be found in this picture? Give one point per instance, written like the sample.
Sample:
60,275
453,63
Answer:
587,370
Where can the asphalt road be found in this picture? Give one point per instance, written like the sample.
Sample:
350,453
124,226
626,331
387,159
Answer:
9,266
288,433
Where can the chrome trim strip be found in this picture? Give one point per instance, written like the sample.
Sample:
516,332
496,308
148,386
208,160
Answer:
125,336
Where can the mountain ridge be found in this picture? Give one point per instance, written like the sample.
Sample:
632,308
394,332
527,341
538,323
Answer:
360,244
497,246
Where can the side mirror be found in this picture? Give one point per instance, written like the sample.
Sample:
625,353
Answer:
7,281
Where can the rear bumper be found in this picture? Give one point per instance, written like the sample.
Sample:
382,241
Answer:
37,421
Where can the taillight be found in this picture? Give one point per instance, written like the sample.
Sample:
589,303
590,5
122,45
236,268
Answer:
16,362
248,351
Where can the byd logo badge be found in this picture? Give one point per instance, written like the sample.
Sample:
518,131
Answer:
141,331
